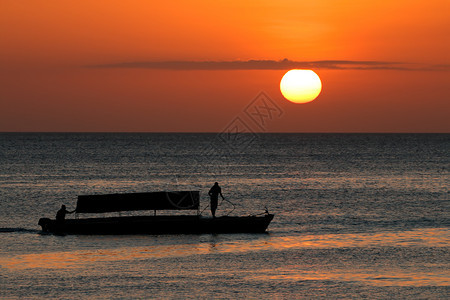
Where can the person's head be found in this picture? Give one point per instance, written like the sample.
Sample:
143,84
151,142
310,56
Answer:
63,206
216,183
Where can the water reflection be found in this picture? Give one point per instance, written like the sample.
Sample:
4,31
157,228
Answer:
222,244
376,276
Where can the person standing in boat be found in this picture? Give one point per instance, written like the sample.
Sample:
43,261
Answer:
61,214
214,193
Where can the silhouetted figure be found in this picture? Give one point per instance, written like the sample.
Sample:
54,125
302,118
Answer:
214,193
61,214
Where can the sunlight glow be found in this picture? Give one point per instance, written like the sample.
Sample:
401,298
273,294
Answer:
300,86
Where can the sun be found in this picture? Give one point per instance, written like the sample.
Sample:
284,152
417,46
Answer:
300,86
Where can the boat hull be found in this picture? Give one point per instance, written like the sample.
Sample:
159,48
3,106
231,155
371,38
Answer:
158,225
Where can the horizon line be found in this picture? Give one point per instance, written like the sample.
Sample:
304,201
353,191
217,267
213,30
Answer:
219,132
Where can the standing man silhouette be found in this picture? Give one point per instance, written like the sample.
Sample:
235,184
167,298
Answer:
214,193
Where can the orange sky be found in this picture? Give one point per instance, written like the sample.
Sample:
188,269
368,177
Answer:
56,57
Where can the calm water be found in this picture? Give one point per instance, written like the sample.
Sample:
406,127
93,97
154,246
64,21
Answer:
356,216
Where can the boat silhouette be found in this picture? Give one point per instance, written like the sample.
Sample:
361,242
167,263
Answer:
151,224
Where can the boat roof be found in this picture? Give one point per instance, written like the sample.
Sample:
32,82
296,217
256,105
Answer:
173,200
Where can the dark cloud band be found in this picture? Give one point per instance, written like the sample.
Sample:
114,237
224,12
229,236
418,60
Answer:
284,64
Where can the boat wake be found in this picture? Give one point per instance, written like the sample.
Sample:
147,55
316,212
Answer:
19,230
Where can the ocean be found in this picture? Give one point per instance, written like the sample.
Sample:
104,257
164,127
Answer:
356,216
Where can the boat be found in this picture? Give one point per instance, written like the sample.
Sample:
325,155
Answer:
151,224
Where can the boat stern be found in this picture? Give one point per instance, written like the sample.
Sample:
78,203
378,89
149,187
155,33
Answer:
44,223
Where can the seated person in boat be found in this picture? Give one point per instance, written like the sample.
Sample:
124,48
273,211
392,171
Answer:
214,193
61,214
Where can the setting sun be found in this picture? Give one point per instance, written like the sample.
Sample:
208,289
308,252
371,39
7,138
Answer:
300,86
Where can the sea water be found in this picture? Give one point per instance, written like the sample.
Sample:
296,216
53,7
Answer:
356,216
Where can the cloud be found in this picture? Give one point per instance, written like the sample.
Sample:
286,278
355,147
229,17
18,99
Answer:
284,64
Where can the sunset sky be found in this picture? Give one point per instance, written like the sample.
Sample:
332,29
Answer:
194,66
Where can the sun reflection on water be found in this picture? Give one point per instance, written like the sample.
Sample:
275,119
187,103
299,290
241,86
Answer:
80,258
373,276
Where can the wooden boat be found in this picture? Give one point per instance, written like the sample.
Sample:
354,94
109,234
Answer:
152,224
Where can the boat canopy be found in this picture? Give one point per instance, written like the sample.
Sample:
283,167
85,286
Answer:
178,200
